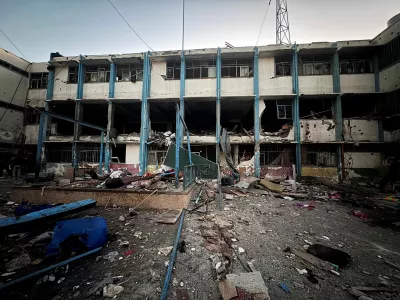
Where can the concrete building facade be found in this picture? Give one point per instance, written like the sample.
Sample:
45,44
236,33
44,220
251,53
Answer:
325,109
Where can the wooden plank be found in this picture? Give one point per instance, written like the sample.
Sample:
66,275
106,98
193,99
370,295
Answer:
31,221
313,260
271,186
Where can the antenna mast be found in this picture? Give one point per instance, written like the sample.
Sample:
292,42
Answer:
282,23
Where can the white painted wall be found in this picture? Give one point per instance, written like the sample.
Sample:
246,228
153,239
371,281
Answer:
95,90
206,87
132,153
9,82
357,83
128,90
161,88
36,97
62,89
131,138
389,79
318,132
363,160
39,67
14,59
268,83
360,130
31,134
316,84
237,86
392,136
11,125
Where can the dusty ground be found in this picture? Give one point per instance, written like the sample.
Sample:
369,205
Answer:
262,225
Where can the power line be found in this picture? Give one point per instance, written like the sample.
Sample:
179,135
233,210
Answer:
130,25
262,25
13,44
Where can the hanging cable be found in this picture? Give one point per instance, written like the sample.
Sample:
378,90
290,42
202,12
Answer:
130,25
13,44
262,24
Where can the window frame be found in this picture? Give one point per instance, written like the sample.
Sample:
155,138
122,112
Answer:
40,82
130,71
94,72
288,110
235,66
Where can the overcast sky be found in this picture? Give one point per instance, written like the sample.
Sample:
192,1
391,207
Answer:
74,27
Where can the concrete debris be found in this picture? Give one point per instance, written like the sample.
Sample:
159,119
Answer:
241,250
124,244
229,197
251,283
112,290
111,256
165,251
122,218
44,237
19,262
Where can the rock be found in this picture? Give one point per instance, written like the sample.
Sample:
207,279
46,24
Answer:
181,284
241,250
10,203
124,244
234,240
112,290
122,218
229,197
166,264
365,298
165,250
133,212
174,282
384,283
356,293
111,256
220,267
52,278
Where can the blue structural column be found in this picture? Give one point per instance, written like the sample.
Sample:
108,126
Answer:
39,146
218,105
144,126
78,110
182,97
296,111
257,168
337,105
110,114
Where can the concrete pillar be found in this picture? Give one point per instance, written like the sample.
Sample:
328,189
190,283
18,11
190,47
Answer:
182,98
81,79
111,84
235,154
77,131
144,125
337,105
110,125
257,167
218,107
376,73
296,111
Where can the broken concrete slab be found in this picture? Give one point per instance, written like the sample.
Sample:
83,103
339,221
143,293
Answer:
271,186
112,290
252,283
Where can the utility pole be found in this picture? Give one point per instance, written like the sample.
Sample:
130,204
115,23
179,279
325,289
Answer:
282,23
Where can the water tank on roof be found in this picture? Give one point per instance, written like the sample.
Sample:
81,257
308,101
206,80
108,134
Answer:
393,20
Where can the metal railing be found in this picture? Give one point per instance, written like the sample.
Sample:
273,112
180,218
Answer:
189,175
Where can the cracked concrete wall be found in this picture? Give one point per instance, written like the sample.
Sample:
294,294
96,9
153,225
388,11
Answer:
361,130
357,83
269,84
317,130
315,85
389,78
62,89
31,134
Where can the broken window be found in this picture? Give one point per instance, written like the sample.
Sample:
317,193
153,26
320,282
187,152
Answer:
73,75
97,74
32,116
131,73
237,68
284,109
356,66
318,156
389,53
38,80
315,65
282,66
174,70
200,69
156,155
276,155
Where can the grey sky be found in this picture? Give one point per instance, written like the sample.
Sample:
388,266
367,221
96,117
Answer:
93,27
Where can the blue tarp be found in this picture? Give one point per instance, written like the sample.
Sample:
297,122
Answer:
92,232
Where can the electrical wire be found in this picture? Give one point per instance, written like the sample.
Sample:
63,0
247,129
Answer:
13,44
130,25
262,24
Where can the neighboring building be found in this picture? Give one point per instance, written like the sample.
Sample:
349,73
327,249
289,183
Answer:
323,107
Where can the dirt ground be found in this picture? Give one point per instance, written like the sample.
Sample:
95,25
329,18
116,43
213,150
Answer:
264,226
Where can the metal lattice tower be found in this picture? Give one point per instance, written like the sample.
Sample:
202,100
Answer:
282,23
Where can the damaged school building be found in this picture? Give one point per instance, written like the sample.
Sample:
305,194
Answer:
328,109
